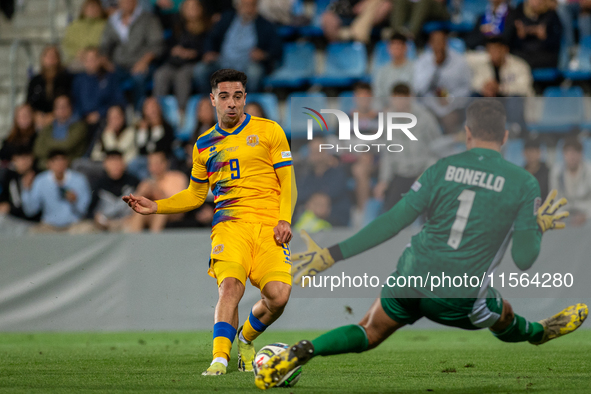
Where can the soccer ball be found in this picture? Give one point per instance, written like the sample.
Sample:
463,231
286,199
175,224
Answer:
266,352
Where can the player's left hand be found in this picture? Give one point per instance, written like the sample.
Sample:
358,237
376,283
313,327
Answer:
282,232
547,218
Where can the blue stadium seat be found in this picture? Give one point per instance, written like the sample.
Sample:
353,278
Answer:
513,152
170,110
563,110
457,44
314,29
345,64
269,103
297,68
185,132
583,59
545,74
346,101
587,148
470,11
298,129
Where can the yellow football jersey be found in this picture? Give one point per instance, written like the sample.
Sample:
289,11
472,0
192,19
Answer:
239,165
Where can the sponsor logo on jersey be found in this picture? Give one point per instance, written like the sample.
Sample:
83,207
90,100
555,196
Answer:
286,155
232,149
416,186
218,249
252,140
537,205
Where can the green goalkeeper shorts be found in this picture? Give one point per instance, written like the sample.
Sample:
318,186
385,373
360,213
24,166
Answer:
466,313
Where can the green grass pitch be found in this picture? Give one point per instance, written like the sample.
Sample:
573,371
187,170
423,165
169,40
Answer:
411,361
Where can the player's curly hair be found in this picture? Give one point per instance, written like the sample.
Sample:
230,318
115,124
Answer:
486,119
227,75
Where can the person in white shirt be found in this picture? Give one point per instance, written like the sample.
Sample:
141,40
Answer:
497,73
399,70
572,179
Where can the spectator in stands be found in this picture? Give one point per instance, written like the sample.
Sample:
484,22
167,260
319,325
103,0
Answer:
409,16
216,8
493,23
107,208
398,171
177,71
65,133
22,134
255,109
399,70
535,166
163,183
167,11
242,40
443,77
205,118
132,40
572,179
116,136
353,19
153,134
571,12
362,163
61,195
84,32
496,73
314,218
52,81
322,173
20,172
95,90
281,12
537,33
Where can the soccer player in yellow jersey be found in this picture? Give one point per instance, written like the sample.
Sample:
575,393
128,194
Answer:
246,161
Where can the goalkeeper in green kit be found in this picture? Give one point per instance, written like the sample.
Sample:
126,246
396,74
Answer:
475,202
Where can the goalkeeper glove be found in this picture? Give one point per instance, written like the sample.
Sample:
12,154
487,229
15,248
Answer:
314,260
547,218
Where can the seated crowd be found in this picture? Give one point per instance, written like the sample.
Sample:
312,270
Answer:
93,129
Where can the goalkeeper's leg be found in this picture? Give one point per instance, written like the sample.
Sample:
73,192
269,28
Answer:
514,328
373,329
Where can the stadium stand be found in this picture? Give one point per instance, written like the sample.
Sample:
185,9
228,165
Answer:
313,68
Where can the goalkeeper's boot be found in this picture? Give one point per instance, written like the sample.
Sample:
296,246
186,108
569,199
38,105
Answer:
564,322
280,365
215,369
246,354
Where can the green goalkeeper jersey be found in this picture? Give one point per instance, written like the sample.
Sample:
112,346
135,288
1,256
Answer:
473,201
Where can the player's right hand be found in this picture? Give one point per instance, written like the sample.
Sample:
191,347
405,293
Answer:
314,260
141,205
547,218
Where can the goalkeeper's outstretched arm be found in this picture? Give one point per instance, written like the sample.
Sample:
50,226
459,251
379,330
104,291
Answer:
386,226
379,231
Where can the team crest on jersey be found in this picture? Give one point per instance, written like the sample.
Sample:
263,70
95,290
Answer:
218,249
252,140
